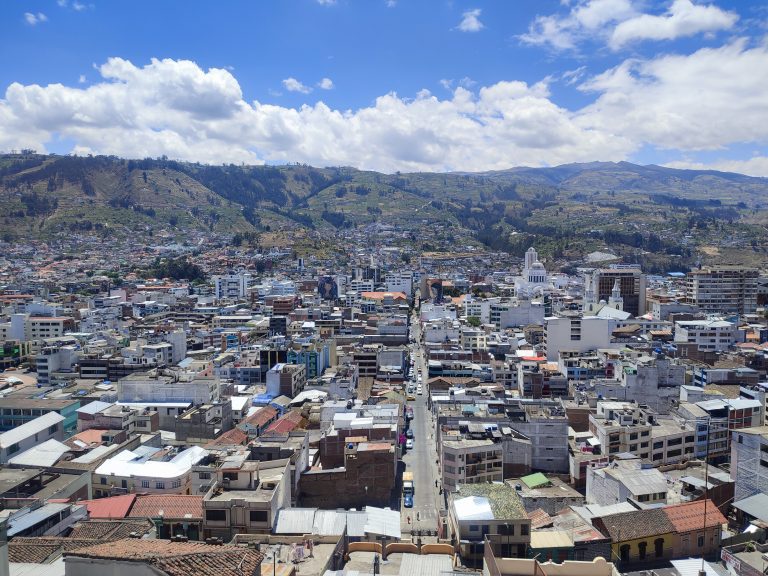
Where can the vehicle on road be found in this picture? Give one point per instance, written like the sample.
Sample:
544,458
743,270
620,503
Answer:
419,391
409,433
408,500
409,444
408,483
411,397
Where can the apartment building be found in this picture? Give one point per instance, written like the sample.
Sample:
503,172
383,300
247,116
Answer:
246,497
492,513
31,434
147,469
232,286
624,480
707,335
632,287
723,289
749,461
286,380
470,461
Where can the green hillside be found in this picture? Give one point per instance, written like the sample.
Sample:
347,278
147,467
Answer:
665,218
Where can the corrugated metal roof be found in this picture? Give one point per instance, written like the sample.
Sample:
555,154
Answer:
383,522
94,407
24,518
426,565
295,521
329,522
43,455
473,508
29,429
535,480
756,505
356,522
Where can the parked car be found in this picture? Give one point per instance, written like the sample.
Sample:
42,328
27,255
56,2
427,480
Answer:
409,433
409,444
408,500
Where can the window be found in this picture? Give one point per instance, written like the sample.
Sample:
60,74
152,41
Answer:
13,448
124,484
507,529
624,552
525,529
645,433
658,445
230,475
216,515
658,546
53,429
204,475
160,485
474,528
259,515
103,480
642,550
700,540
176,484
145,483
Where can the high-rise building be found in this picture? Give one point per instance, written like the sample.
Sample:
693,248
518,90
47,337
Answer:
723,289
631,288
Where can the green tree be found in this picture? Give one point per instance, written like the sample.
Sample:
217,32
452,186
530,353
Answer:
473,321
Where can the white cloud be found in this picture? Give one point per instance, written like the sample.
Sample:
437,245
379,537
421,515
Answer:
34,19
619,22
586,19
62,3
325,84
755,166
703,101
326,2
708,100
78,6
391,3
470,21
684,18
293,85
81,79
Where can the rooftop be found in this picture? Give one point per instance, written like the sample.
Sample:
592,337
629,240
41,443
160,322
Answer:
501,500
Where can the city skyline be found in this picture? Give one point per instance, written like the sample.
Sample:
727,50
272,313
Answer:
391,85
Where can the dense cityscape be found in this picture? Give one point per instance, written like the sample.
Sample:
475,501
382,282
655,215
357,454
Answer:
420,412
384,288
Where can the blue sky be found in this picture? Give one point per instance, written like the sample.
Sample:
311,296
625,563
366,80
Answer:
390,85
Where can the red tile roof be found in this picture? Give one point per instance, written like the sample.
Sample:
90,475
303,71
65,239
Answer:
172,505
261,416
108,530
232,437
287,423
690,516
112,507
178,558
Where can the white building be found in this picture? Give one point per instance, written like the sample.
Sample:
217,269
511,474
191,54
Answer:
232,286
30,434
708,335
577,334
131,471
749,461
534,279
399,282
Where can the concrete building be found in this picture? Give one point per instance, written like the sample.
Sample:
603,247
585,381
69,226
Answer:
246,497
136,471
624,480
30,434
749,461
286,380
469,461
492,513
723,289
632,288
707,335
